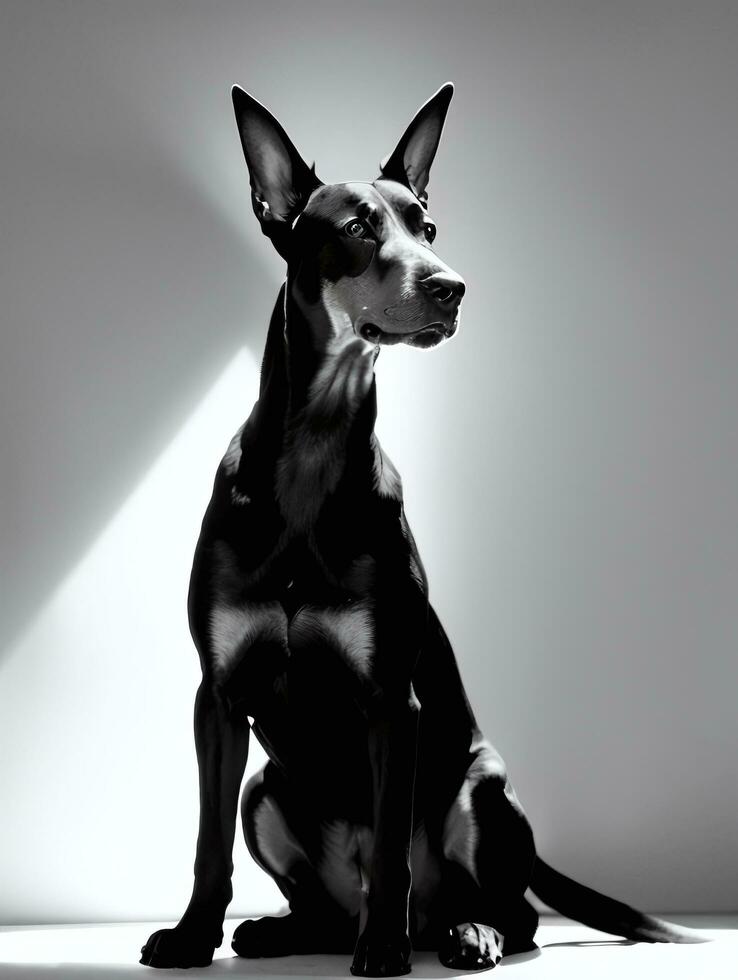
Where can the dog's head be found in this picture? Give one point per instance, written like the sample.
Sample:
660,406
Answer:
360,255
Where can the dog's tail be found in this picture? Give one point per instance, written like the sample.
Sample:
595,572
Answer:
589,907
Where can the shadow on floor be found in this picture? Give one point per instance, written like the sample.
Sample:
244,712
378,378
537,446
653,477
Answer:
425,965
593,942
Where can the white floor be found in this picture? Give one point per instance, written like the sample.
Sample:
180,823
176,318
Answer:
567,951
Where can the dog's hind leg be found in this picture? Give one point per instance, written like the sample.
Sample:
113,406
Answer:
315,922
489,851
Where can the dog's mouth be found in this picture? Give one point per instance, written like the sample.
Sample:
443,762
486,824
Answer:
424,337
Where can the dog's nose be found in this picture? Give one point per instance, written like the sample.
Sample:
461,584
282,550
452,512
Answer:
445,288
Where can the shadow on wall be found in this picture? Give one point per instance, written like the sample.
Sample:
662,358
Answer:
126,290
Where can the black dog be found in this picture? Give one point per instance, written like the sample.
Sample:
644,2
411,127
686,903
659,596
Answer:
383,815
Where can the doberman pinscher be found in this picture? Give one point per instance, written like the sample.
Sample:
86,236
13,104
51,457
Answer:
383,814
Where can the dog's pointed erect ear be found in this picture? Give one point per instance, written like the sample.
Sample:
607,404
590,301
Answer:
411,160
281,181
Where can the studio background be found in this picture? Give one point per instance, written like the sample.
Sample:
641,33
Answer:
569,459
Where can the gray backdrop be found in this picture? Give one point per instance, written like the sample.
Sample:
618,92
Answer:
569,459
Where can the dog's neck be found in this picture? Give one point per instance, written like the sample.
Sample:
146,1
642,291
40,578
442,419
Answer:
319,377
330,369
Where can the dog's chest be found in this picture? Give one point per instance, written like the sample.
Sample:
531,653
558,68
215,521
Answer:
344,631
338,625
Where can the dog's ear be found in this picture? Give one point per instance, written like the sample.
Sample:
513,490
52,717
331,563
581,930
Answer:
411,160
281,181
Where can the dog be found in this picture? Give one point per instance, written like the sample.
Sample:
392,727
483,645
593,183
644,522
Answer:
384,816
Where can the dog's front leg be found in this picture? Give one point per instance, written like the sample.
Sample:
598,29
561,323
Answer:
222,743
383,947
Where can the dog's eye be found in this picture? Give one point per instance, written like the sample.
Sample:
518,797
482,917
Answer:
429,230
355,228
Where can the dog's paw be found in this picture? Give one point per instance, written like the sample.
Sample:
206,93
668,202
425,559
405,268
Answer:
287,934
178,947
269,936
373,957
471,946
